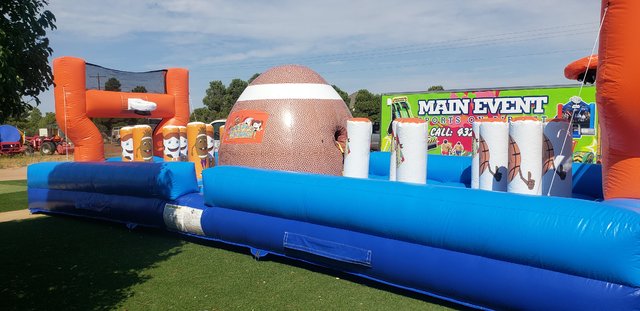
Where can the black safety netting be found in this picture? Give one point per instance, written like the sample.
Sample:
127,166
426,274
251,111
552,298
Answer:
100,78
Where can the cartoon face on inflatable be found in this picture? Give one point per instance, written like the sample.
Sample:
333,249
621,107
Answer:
146,149
200,145
210,140
171,143
126,142
183,141
289,118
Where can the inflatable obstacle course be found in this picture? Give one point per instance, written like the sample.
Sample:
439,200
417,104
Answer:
474,247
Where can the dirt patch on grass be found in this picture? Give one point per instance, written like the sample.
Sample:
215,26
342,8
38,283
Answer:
23,160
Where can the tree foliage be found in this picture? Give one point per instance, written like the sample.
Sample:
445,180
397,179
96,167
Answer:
24,50
255,75
202,114
30,122
343,94
219,99
139,89
112,85
435,88
367,105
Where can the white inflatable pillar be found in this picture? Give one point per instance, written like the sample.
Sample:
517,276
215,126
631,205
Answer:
475,178
525,154
394,144
557,150
411,154
493,145
356,154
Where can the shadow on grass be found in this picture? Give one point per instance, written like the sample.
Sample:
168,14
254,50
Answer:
331,272
61,263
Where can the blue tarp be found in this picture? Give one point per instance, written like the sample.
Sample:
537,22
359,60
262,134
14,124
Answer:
9,134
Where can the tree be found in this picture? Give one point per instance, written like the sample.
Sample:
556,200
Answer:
48,120
367,105
30,122
214,97
236,87
112,85
35,116
220,99
435,88
255,75
203,115
137,89
24,49
343,94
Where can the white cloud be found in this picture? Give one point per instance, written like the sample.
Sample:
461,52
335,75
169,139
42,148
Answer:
379,45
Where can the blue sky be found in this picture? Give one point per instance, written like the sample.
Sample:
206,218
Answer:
382,46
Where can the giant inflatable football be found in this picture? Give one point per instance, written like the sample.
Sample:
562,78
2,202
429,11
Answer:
288,118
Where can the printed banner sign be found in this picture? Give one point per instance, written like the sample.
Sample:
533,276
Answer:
451,115
245,127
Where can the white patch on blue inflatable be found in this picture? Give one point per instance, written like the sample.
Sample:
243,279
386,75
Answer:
182,218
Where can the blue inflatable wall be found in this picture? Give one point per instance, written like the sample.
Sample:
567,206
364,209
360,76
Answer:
481,249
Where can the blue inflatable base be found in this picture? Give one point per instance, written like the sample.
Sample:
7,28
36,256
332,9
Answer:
469,280
467,246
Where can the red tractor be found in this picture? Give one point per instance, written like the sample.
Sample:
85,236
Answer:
47,142
47,145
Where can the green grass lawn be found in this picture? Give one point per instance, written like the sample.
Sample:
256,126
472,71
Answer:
13,194
63,263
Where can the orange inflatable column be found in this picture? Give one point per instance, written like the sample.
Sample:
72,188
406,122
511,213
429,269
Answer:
197,138
142,144
126,143
177,84
70,95
617,98
171,142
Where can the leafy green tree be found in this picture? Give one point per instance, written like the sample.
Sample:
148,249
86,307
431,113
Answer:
255,75
35,117
214,98
138,89
434,88
112,85
367,105
343,94
48,120
236,87
220,99
202,114
20,121
24,49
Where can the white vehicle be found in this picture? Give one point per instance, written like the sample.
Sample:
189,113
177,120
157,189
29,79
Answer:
216,132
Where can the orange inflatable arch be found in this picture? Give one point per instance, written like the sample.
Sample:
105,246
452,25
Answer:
75,104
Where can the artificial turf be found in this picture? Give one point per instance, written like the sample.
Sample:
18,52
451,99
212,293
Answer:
13,194
64,263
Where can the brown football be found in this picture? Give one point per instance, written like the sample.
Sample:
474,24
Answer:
289,118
